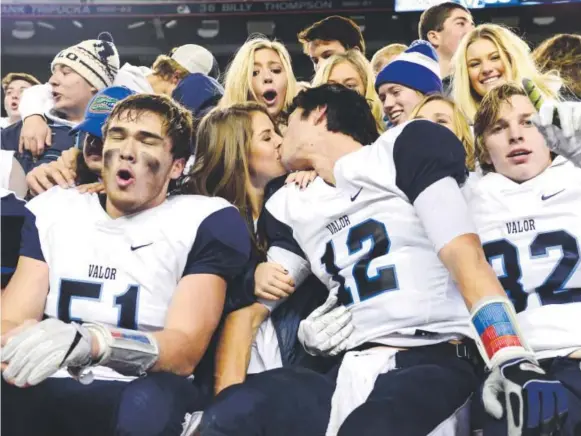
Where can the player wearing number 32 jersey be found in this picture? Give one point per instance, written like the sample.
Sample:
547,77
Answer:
527,209
131,286
387,230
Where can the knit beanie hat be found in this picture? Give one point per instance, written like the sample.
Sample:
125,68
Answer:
416,68
96,60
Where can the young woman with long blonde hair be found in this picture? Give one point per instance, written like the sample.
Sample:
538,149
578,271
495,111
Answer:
261,71
352,70
489,56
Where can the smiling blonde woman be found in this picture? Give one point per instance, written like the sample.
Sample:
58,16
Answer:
489,56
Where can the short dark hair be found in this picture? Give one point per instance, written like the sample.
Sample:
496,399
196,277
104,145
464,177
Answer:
347,111
433,18
177,120
11,77
334,28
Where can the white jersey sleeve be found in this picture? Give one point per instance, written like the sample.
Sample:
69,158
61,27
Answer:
283,248
278,221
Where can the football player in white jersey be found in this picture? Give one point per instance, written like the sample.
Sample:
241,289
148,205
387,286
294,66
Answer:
527,209
387,229
131,285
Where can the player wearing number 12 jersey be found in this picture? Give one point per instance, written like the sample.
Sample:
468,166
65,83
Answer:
131,283
387,229
528,212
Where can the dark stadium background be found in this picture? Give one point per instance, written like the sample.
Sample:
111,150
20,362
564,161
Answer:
33,32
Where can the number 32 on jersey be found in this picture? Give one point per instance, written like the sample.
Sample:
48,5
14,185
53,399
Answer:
366,286
555,288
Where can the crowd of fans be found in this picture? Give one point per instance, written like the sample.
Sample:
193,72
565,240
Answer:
453,310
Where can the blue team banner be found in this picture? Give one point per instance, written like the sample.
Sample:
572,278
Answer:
421,5
192,8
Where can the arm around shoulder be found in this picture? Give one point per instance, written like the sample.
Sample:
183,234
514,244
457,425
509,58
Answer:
36,100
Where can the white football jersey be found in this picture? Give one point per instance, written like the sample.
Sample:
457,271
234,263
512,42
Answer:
123,272
365,242
531,234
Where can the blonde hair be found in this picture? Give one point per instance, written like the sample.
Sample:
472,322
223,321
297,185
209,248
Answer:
461,126
221,166
488,114
238,82
167,68
11,77
514,54
363,68
561,54
385,55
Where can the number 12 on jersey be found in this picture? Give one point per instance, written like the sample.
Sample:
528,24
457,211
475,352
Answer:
365,286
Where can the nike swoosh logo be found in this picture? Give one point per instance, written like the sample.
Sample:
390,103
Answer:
356,195
546,197
140,246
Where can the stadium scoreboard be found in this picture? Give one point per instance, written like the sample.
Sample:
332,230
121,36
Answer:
208,8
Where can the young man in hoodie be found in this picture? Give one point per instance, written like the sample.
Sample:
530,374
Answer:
162,78
78,72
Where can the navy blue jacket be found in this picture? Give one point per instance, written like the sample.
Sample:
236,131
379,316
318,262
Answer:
61,141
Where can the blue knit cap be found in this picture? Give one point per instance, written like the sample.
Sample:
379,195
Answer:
416,68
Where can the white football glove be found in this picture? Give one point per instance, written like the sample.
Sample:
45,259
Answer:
325,332
560,124
42,349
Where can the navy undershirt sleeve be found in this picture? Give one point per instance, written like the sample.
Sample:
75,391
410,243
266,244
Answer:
222,245
425,152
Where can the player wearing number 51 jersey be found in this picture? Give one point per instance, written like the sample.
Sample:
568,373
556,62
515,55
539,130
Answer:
387,230
528,212
131,285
